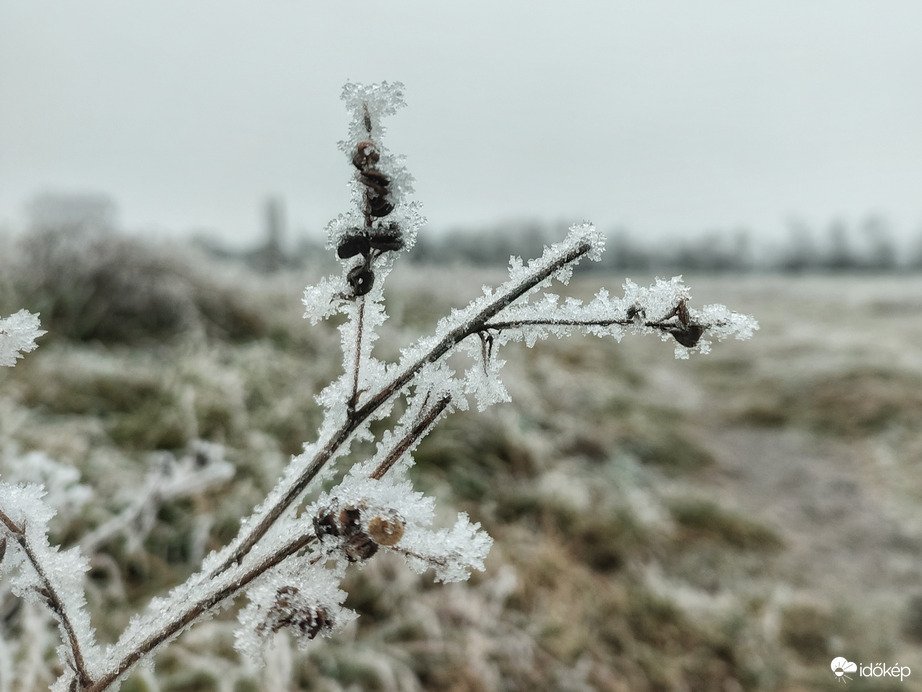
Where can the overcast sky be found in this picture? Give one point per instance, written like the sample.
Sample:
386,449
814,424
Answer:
662,117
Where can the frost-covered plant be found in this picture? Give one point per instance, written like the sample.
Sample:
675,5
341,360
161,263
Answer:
17,336
291,554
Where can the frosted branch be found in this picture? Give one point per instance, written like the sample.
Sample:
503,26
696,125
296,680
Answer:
18,333
662,308
290,558
46,575
557,261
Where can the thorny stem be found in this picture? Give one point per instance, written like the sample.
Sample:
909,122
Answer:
357,416
51,596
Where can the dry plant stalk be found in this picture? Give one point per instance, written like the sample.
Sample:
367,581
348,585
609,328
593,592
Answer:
290,555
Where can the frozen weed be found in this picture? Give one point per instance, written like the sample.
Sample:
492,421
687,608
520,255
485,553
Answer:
292,555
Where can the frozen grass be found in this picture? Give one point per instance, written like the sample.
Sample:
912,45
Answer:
645,537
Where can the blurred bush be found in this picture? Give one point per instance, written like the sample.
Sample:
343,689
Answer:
92,283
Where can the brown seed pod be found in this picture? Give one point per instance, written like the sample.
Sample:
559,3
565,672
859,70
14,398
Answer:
386,239
325,524
379,206
689,335
360,279
288,612
359,547
352,245
350,520
385,531
366,154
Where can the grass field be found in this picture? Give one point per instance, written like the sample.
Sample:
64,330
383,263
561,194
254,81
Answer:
732,522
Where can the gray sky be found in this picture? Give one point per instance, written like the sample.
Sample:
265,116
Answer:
663,117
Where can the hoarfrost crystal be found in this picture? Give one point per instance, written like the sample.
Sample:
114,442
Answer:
18,333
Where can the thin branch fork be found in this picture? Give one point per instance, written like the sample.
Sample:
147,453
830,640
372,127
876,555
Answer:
52,598
413,434
356,417
188,613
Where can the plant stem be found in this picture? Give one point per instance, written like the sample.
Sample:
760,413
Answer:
357,416
188,613
360,323
51,596
407,441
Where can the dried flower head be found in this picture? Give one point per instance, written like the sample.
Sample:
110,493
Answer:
291,611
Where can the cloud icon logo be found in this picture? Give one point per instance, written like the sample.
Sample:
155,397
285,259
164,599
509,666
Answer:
840,666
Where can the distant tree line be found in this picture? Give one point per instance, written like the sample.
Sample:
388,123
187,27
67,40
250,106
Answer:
869,246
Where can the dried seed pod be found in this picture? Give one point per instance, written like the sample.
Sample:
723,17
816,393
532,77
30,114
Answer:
386,244
360,279
359,547
309,621
386,530
352,245
689,335
379,206
325,524
350,520
386,239
318,621
366,154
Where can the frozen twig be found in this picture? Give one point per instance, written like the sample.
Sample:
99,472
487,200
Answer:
290,555
45,585
580,246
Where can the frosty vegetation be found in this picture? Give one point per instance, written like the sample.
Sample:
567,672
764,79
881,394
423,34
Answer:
292,552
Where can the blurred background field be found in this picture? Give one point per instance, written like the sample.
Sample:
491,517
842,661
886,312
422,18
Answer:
732,522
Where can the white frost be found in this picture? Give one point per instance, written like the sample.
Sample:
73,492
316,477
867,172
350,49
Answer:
18,333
